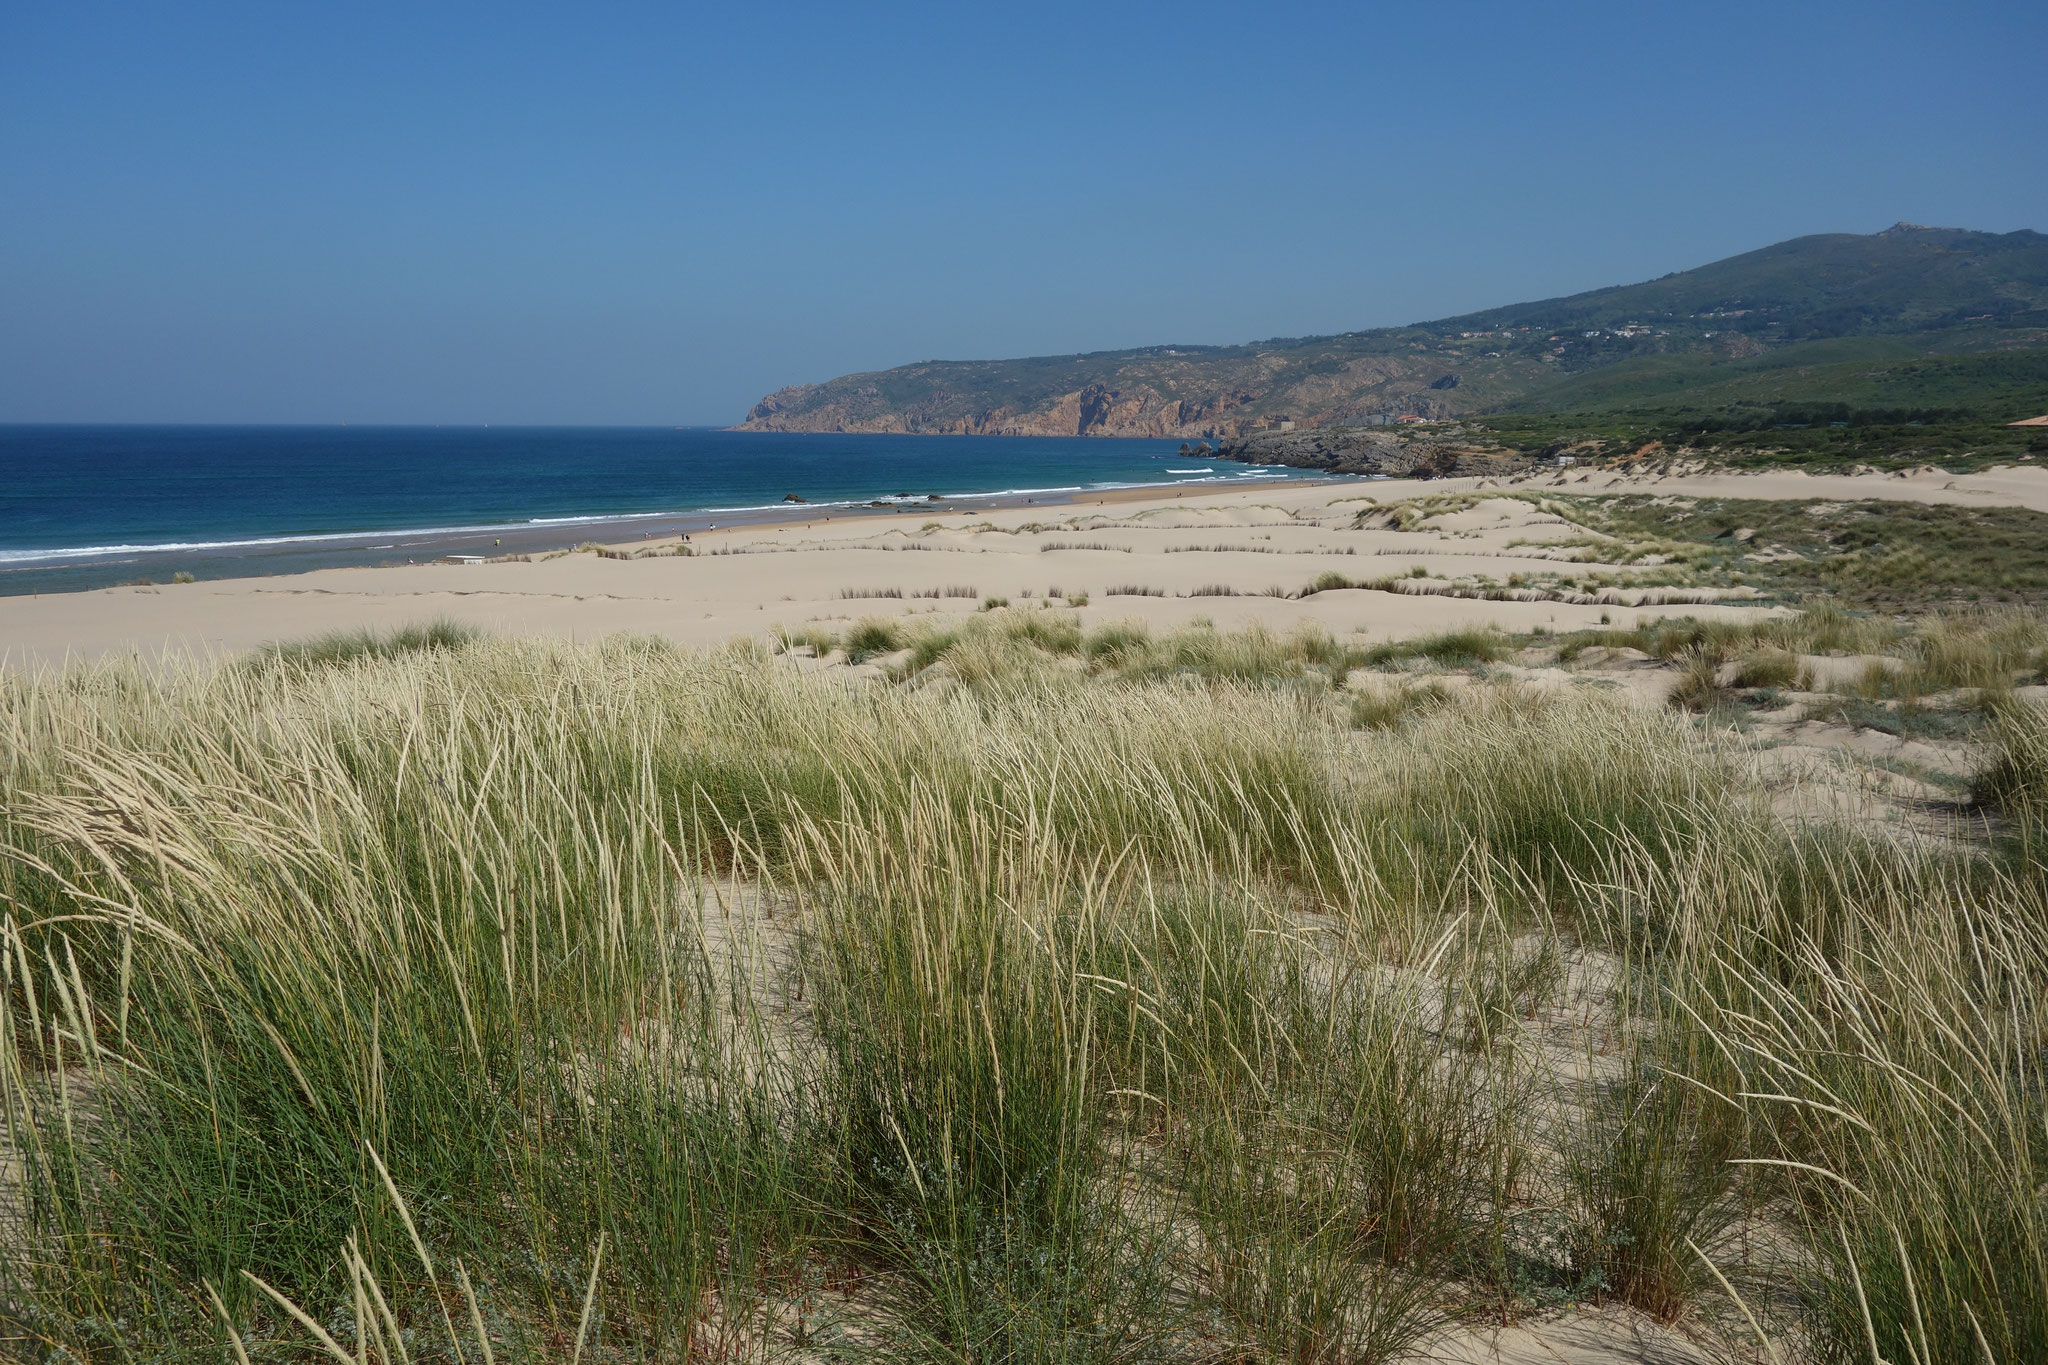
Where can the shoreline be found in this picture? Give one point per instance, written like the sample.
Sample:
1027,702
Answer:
1238,555
92,569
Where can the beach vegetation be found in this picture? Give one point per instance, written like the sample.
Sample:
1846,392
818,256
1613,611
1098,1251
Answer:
343,647
1081,994
1128,649
1699,680
1873,554
2014,778
1385,707
872,635
1452,648
814,637
1772,667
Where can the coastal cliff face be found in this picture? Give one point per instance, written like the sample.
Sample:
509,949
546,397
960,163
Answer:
1930,290
1095,410
1205,397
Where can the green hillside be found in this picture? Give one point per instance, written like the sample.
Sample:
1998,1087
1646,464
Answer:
1906,320
1902,373
1904,279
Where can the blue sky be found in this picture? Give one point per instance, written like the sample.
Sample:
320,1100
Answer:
616,213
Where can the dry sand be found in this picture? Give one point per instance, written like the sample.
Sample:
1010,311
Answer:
2001,486
748,581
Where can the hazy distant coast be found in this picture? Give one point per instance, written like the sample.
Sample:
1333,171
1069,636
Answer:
1941,319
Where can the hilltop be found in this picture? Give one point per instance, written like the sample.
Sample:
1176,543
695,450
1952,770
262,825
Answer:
1945,320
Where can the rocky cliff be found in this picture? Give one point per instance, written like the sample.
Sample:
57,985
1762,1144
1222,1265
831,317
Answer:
1209,393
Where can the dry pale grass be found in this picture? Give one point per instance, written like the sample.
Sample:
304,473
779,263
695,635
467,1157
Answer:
1074,998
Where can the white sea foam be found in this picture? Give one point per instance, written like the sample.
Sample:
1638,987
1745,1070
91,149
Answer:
190,546
69,552
16,558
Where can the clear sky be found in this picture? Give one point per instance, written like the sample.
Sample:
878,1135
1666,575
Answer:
621,213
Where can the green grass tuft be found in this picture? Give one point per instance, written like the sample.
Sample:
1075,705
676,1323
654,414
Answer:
341,648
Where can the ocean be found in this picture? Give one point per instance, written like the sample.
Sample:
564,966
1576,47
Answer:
88,506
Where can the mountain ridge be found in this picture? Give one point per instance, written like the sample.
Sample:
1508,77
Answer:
1908,289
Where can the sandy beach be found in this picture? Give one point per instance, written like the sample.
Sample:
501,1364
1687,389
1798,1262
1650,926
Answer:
1224,555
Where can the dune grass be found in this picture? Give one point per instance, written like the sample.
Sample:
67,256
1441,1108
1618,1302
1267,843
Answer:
350,646
1099,996
1005,643
1967,659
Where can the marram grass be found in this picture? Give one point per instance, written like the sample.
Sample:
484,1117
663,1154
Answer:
492,1001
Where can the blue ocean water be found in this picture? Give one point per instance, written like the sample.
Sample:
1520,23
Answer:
84,506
